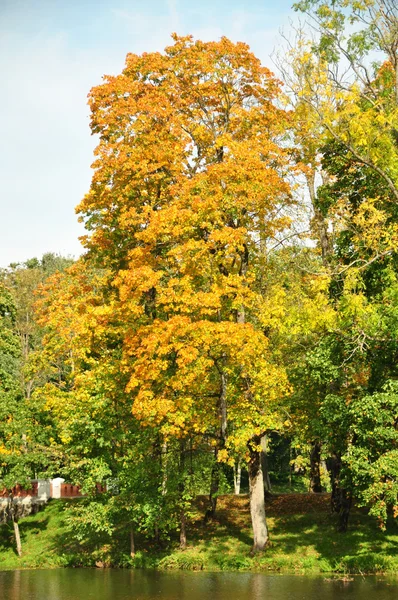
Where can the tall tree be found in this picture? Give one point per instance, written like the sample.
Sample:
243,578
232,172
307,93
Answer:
188,190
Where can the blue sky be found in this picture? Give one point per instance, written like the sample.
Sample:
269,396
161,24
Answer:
51,53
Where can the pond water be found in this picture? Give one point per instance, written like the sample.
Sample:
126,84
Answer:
91,584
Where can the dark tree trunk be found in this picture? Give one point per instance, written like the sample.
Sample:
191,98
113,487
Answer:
345,502
158,539
214,487
341,499
215,472
183,531
183,527
159,457
315,468
164,468
257,504
132,543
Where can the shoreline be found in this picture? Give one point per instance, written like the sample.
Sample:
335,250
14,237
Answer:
303,541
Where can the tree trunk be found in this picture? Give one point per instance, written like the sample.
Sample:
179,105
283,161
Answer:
183,531
341,498
157,536
237,476
17,536
345,502
214,487
315,468
14,518
257,505
323,236
12,515
160,456
132,544
320,223
264,467
215,472
164,468
183,528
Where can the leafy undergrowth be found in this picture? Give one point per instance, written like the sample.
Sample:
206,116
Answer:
302,532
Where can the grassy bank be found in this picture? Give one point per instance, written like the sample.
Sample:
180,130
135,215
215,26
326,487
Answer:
303,540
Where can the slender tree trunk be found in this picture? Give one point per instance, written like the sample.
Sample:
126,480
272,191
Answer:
323,236
320,223
257,504
324,467
17,536
264,466
223,408
183,531
237,476
215,472
159,457
12,509
315,468
132,543
214,487
183,525
164,468
157,536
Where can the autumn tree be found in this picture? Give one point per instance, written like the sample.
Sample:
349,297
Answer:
188,190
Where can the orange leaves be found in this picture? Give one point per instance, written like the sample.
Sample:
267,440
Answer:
173,117
175,365
186,192
72,311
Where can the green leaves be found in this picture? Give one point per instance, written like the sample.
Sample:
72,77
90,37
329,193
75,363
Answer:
372,454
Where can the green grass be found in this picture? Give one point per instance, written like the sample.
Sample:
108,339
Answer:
302,533
41,537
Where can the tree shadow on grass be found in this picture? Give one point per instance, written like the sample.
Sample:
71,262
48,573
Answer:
219,529
294,537
301,533
26,528
303,530
67,545
7,540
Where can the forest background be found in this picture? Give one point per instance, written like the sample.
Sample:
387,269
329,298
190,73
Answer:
238,293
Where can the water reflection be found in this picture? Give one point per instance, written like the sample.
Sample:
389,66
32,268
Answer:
87,584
